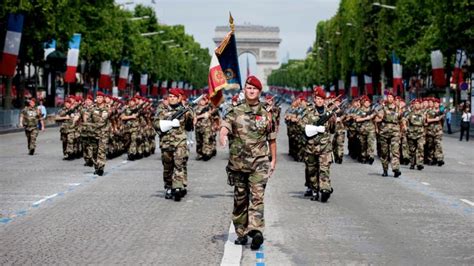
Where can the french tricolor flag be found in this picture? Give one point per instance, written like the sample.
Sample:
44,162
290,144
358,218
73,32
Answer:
164,87
342,90
458,76
143,84
438,68
123,76
397,75
49,47
72,58
369,88
105,80
354,85
154,89
12,45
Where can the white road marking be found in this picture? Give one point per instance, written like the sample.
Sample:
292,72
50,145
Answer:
461,163
44,199
425,183
232,252
74,184
124,162
468,202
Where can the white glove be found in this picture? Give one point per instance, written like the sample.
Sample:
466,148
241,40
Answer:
175,122
312,130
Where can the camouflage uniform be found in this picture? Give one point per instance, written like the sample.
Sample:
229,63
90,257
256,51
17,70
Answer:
366,136
67,132
434,135
405,150
318,152
100,127
416,136
390,137
174,150
248,168
338,140
204,133
31,118
87,135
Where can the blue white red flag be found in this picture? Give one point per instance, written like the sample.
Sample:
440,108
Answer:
227,55
12,45
72,58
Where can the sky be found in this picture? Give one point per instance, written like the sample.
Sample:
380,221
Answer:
296,19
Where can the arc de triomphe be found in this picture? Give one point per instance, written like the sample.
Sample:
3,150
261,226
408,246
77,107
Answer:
263,42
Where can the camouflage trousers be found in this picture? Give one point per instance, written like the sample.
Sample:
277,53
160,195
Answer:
77,143
87,149
249,192
353,144
367,144
136,146
204,145
416,146
99,151
31,135
405,147
390,151
434,148
317,167
338,144
174,166
68,142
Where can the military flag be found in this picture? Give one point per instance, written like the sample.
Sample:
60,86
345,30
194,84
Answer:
216,81
228,59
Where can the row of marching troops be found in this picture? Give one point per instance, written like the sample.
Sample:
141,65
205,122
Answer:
396,132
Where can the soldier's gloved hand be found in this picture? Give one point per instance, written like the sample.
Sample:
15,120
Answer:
175,122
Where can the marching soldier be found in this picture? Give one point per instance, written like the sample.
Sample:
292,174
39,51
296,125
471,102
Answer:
30,116
390,118
100,125
86,131
67,115
435,133
318,157
339,136
131,131
364,117
203,128
171,123
249,167
416,135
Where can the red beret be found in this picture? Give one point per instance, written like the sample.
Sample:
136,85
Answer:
302,97
252,80
89,97
319,92
365,98
176,92
99,93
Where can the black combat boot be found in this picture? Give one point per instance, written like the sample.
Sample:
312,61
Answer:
168,193
440,163
314,195
177,194
385,173
32,151
131,157
257,240
412,166
325,194
241,240
308,192
100,172
420,167
397,173
370,161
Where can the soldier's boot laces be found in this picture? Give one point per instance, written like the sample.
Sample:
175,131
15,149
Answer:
314,195
241,240
168,193
257,240
420,167
308,192
397,173
325,194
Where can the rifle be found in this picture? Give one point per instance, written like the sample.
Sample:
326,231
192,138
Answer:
312,130
172,121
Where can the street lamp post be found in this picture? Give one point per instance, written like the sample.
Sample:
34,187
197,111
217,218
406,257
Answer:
384,6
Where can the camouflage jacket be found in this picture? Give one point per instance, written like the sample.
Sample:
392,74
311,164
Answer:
250,129
67,125
391,120
87,129
415,121
31,117
100,120
434,128
177,135
365,126
321,142
203,123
